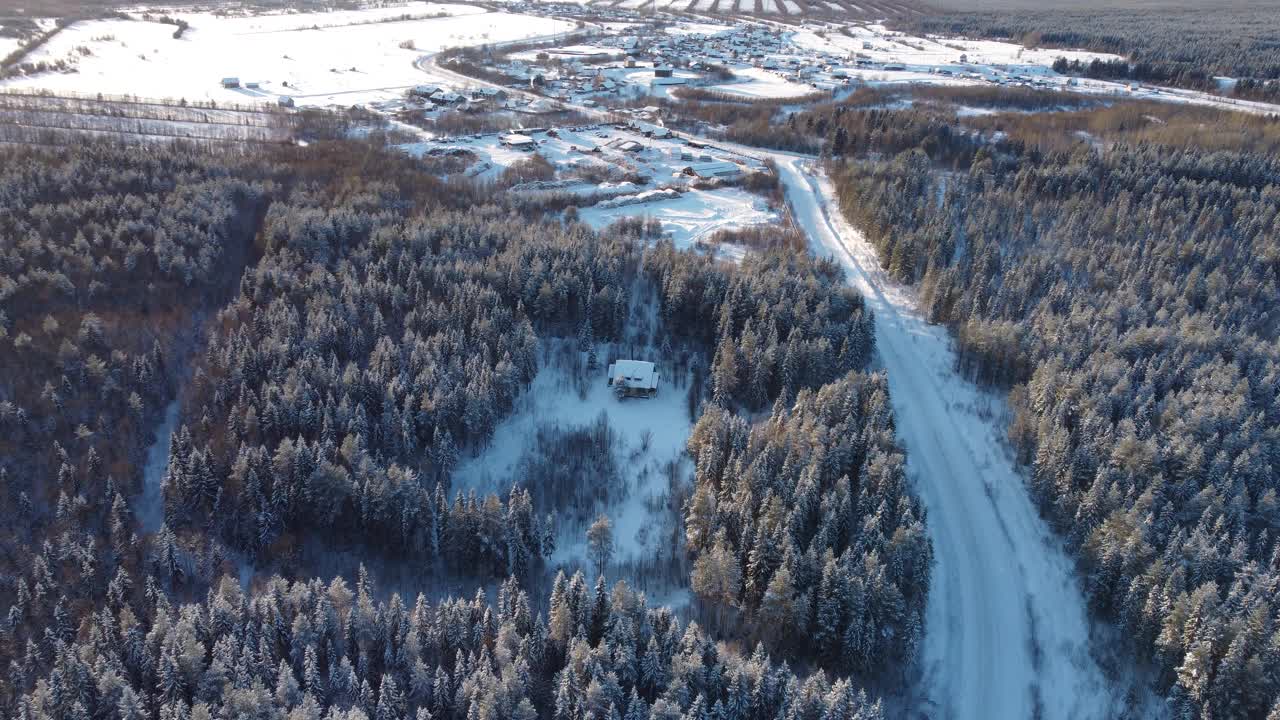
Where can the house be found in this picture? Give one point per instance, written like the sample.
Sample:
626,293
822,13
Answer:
964,59
446,97
284,101
662,71
517,141
650,130
633,378
715,170
230,82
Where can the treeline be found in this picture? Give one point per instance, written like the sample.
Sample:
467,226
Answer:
804,524
1127,298
307,651
780,322
800,526
364,353
1185,46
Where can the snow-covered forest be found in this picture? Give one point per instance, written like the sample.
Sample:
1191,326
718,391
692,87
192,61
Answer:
622,363
1126,301
339,328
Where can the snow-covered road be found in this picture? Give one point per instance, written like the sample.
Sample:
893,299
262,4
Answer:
1006,636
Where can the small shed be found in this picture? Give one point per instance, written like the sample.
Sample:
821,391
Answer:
633,378
230,82
662,71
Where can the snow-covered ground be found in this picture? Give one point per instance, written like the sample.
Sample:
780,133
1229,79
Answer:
150,508
758,83
1006,632
317,58
638,520
693,216
8,45
968,62
888,46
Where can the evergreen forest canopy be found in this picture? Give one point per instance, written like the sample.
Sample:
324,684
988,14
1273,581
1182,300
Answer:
338,327
1118,273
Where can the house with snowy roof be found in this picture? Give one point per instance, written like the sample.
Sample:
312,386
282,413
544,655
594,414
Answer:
633,378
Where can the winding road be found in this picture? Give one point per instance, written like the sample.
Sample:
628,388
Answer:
1006,631
1007,636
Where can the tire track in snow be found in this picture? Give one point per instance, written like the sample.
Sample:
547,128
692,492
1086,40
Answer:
1006,632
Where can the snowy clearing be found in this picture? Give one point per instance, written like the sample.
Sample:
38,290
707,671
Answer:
760,83
8,45
1006,632
639,518
692,217
150,508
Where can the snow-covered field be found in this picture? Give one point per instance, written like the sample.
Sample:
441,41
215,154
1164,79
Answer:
1006,632
888,46
8,45
341,58
759,83
692,217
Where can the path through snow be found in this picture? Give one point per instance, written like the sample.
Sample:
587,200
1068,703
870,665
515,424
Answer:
1006,633
150,506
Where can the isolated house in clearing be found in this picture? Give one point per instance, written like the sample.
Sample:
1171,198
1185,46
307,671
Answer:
633,378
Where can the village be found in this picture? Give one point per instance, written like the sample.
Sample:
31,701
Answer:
613,65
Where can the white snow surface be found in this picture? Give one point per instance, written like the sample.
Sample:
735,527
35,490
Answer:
637,529
1006,635
760,83
690,217
8,45
350,57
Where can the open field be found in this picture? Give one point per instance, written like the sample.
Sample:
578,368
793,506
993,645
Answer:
320,59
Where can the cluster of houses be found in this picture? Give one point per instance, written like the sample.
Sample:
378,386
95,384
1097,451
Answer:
434,96
623,63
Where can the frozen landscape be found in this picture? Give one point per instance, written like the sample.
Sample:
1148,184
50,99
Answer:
340,58
639,360
1007,631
